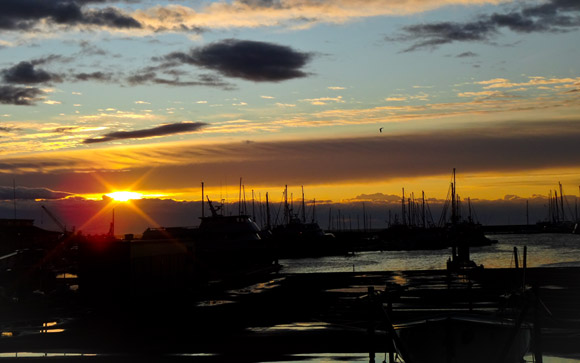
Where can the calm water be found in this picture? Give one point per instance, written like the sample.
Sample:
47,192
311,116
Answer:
543,250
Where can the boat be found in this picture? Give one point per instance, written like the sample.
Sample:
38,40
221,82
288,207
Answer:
176,258
231,244
462,338
296,238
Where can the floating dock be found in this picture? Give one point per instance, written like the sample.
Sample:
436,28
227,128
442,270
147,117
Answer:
279,315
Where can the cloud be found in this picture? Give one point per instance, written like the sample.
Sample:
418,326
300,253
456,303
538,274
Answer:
94,76
466,55
295,14
250,60
25,73
323,100
551,16
162,130
11,95
9,193
26,14
511,148
147,76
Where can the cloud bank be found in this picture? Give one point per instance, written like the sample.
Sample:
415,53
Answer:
501,148
24,193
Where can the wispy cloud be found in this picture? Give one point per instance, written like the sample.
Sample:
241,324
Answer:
295,14
323,100
550,16
162,130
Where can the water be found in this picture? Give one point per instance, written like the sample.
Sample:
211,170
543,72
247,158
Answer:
543,250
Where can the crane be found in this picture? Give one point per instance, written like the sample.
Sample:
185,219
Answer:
54,219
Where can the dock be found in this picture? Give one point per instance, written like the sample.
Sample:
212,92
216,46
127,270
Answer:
280,315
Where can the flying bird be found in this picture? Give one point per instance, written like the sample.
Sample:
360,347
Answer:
381,129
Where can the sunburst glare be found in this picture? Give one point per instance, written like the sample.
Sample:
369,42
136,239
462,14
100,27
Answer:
124,196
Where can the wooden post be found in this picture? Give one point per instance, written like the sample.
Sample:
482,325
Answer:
517,262
371,326
524,266
389,312
537,328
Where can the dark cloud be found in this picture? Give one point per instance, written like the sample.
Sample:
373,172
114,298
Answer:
8,193
11,95
25,14
94,76
27,73
552,16
162,130
250,60
262,3
203,80
466,55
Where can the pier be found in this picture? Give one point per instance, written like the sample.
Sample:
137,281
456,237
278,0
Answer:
276,317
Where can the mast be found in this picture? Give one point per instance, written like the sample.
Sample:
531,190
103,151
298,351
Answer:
562,202
112,226
403,214
202,202
253,207
268,225
469,218
557,209
240,198
303,207
365,216
286,212
329,218
314,210
245,209
527,212
423,208
453,201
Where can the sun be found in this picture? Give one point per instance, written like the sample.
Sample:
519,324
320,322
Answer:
124,196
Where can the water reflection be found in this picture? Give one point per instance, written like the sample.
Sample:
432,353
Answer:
45,355
257,288
297,326
542,250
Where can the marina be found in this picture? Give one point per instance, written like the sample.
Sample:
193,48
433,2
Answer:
312,309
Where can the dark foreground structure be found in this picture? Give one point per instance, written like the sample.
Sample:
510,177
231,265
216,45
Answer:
273,317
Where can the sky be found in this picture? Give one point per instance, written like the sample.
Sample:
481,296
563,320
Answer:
352,99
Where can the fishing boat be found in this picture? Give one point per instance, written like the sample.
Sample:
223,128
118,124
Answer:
176,258
462,338
231,244
296,238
